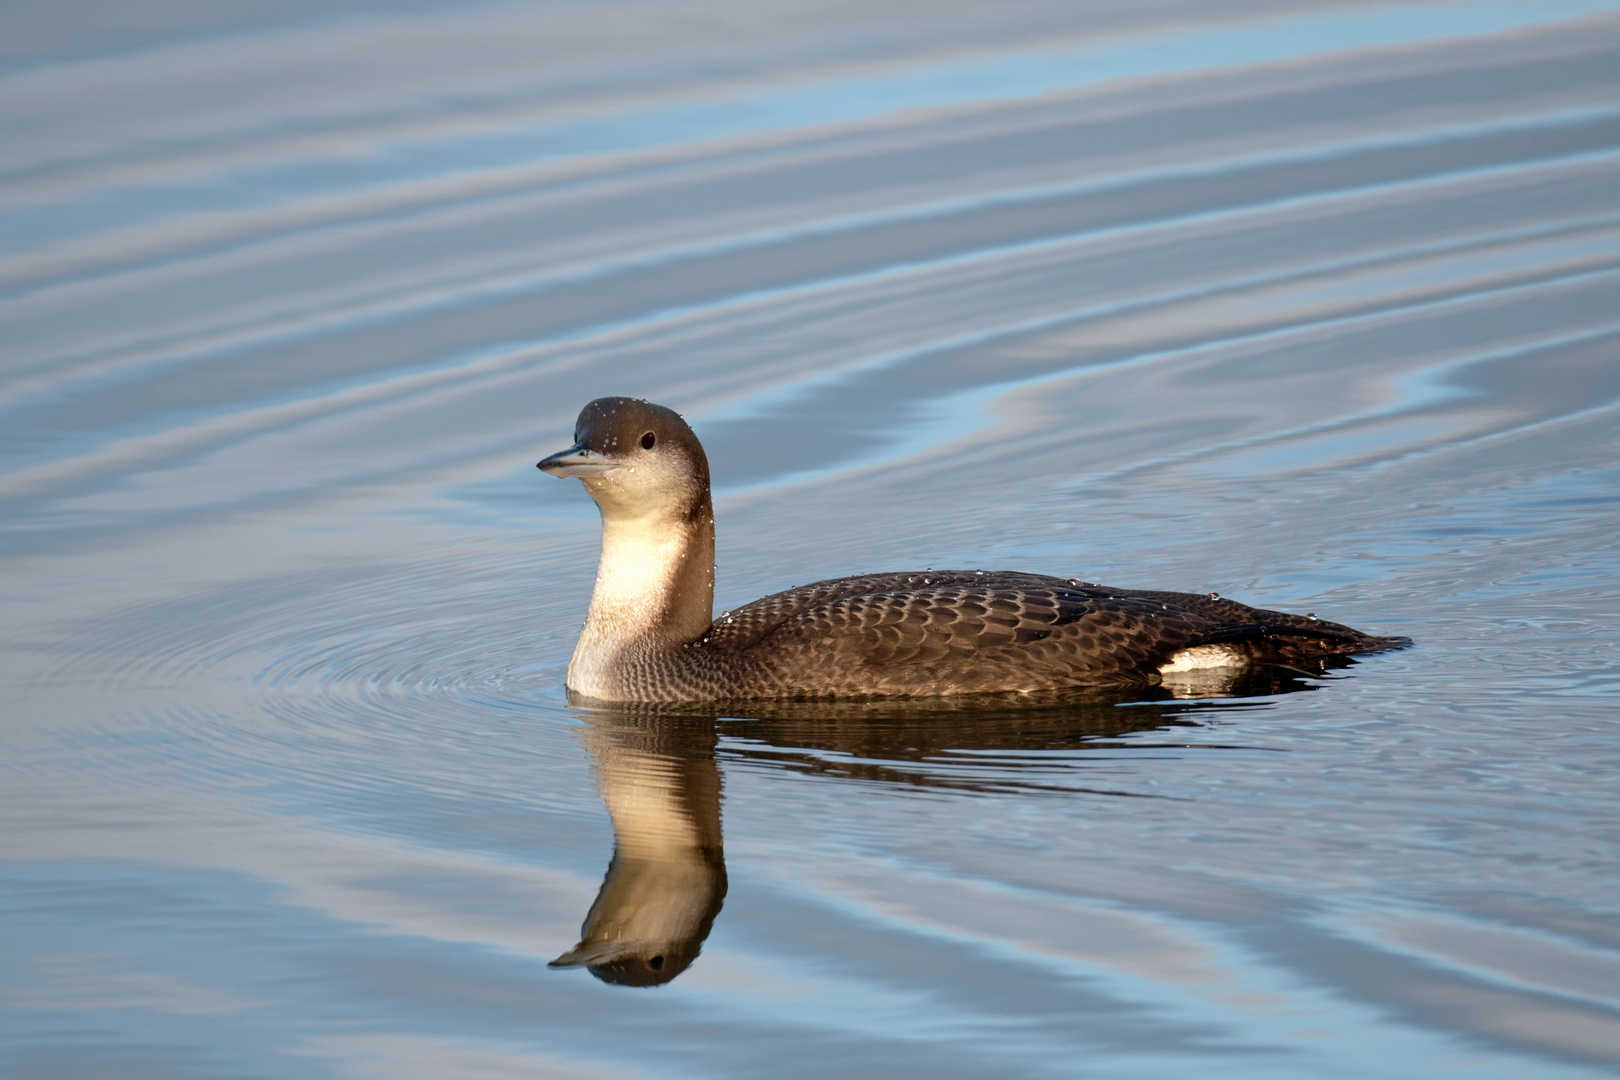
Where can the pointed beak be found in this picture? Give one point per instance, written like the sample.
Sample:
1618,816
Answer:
578,460
592,952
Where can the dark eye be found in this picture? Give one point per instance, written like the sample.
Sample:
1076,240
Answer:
656,963
647,441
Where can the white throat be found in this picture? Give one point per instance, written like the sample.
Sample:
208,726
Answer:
634,601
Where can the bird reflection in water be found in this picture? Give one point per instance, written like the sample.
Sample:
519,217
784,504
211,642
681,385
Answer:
667,879
659,776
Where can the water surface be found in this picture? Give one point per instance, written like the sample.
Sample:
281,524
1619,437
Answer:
1312,307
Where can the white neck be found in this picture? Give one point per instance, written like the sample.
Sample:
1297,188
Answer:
654,592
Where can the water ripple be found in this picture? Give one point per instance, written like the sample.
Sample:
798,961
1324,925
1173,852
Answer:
1315,308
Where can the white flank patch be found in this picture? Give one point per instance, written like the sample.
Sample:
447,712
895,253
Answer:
1204,657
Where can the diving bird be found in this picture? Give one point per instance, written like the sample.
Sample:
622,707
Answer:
650,634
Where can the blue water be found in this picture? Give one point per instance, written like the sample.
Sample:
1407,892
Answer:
1315,309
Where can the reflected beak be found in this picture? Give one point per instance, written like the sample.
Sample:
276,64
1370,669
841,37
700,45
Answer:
593,952
578,460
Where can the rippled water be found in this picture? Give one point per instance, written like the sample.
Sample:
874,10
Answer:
1313,306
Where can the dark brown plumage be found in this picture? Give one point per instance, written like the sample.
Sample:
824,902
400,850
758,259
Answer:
923,633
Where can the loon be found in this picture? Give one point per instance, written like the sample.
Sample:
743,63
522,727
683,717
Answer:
650,635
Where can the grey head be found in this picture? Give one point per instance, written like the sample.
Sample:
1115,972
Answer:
636,459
